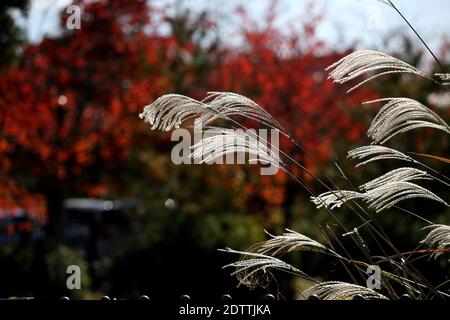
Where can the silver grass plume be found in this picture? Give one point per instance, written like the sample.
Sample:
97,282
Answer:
229,141
375,152
360,62
226,104
389,194
253,269
288,242
385,196
386,2
400,115
397,175
444,77
438,237
336,290
334,199
170,110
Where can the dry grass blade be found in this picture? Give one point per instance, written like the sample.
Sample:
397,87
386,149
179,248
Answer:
288,242
400,115
253,269
228,141
438,237
170,110
336,290
360,62
397,175
432,157
374,152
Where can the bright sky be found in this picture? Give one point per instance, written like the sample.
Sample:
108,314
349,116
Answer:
365,21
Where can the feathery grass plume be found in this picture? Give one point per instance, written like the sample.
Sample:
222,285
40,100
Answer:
386,2
389,194
400,115
397,175
334,199
374,152
336,290
253,269
444,77
229,141
170,110
357,63
227,104
288,242
438,237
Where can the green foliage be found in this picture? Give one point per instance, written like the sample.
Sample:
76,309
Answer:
213,231
176,252
57,262
39,269
11,36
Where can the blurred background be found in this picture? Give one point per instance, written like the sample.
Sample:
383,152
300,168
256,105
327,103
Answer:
84,181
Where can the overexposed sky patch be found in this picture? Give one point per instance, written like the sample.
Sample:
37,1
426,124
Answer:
366,22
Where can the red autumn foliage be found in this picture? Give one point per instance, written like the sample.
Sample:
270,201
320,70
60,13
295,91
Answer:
70,107
285,73
66,106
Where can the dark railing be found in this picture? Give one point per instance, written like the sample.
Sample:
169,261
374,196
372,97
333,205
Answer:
224,297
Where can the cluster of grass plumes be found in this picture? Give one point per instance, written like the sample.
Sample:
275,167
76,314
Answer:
386,192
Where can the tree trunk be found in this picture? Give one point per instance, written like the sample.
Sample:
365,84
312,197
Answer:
55,199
